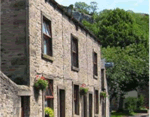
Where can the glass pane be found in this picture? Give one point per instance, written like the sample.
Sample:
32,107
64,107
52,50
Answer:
46,28
45,47
74,46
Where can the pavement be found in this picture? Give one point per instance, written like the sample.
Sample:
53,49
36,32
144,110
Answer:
139,115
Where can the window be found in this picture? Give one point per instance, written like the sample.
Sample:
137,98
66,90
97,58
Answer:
96,102
47,37
49,95
90,105
102,78
95,64
76,99
74,52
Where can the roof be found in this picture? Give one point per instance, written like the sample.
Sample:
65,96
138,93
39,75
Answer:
60,7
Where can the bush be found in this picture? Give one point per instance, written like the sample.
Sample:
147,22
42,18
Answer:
131,104
140,102
49,112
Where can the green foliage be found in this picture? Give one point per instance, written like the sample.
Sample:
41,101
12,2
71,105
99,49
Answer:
49,112
85,8
140,102
83,91
124,38
103,94
41,84
130,104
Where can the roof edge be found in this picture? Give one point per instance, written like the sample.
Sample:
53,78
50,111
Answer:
75,21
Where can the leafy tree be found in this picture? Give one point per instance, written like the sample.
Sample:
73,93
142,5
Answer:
82,7
85,8
124,38
93,7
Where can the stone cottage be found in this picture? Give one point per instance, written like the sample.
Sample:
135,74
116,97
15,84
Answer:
39,38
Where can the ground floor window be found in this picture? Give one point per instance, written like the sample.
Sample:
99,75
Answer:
49,95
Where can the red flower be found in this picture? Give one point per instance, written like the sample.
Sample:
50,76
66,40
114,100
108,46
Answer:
43,78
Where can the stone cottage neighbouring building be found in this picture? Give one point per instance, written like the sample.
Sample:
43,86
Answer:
39,38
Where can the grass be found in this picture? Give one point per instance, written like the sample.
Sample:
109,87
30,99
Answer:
121,114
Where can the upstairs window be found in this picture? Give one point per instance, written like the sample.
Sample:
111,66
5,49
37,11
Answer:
74,52
49,95
95,64
47,37
102,79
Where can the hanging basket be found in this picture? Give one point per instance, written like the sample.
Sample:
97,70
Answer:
83,91
41,83
103,94
49,112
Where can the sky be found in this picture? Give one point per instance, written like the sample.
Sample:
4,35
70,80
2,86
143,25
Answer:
137,6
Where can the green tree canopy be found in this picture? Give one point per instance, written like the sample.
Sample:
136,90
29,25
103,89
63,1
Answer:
124,38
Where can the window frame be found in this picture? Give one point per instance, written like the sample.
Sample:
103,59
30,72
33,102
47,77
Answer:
74,67
102,79
95,64
49,55
47,97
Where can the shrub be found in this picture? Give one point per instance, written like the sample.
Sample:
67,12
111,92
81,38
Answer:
103,94
140,102
49,112
41,83
130,104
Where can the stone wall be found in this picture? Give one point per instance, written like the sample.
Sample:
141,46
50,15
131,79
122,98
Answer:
10,98
60,68
13,40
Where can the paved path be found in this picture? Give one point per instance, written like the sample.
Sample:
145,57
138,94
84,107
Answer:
139,115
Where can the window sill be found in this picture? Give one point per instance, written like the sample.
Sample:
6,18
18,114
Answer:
47,57
96,115
95,77
75,68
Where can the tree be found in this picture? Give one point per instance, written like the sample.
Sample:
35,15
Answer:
124,39
85,8
93,7
82,7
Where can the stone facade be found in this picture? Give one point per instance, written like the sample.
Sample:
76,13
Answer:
10,98
29,61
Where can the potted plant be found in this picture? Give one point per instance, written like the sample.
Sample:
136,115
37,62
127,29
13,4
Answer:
40,82
49,112
83,89
103,94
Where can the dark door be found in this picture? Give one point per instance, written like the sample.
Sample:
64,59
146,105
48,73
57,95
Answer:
62,102
90,105
22,106
85,105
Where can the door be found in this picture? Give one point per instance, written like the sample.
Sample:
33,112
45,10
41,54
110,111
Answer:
62,103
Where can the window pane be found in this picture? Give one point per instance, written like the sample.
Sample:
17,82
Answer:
45,47
46,28
74,45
